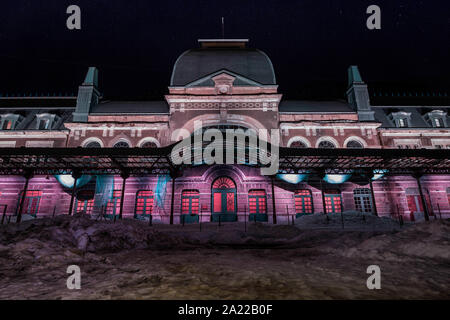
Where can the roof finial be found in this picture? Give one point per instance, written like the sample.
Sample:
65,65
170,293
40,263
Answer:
223,28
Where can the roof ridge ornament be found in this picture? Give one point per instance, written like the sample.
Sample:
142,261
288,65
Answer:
223,43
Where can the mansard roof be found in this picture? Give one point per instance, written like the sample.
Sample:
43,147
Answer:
195,64
29,120
416,119
135,107
38,102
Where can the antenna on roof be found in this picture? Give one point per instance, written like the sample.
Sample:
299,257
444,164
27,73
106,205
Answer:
223,28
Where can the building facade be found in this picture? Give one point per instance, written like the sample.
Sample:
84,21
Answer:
224,84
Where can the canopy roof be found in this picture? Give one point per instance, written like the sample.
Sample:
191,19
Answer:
142,161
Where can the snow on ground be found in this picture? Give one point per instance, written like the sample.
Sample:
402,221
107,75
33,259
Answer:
315,259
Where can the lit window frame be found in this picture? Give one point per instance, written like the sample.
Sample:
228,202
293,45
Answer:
14,119
437,118
48,120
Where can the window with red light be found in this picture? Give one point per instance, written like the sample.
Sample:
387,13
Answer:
144,202
333,201
224,183
224,190
85,201
190,201
113,205
31,202
414,203
303,201
230,202
257,200
7,125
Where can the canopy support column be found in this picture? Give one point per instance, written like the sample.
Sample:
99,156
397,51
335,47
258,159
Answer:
76,176
124,175
28,175
173,176
422,197
273,202
321,176
374,202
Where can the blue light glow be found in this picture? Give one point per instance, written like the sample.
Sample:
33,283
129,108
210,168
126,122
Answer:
379,174
68,181
337,178
293,178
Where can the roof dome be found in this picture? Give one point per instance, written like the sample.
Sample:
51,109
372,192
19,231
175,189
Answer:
216,55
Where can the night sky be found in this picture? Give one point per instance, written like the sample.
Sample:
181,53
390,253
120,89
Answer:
135,43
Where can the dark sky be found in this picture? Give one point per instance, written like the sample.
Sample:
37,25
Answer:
135,43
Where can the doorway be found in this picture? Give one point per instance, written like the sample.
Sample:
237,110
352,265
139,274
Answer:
224,200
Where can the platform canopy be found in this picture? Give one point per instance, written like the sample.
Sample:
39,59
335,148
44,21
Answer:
154,161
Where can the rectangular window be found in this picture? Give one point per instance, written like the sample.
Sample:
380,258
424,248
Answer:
257,200
113,205
44,124
303,202
402,123
363,200
144,202
190,201
217,202
31,202
230,202
85,202
414,203
438,122
7,125
333,203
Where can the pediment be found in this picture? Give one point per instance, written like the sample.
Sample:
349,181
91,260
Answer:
223,76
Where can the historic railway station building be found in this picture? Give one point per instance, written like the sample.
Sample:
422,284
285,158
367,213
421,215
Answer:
225,84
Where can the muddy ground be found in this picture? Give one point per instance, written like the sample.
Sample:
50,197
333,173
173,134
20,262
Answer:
131,260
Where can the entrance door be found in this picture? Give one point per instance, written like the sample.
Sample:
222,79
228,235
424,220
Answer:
224,204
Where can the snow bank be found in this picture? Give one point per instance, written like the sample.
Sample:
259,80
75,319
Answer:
84,234
423,240
352,220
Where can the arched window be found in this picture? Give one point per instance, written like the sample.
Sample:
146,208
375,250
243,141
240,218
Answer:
363,200
149,144
257,201
224,183
303,202
326,145
353,144
121,144
144,203
298,144
93,144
